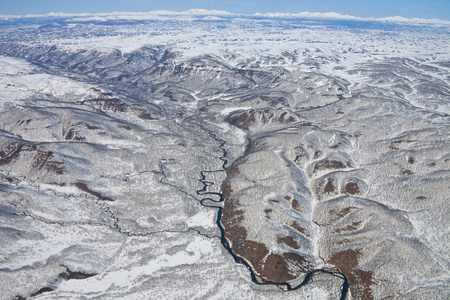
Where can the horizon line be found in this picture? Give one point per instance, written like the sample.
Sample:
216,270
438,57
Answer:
205,12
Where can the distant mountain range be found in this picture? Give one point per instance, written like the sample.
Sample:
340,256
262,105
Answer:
205,12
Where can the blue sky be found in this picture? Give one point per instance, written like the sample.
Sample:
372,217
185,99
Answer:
427,9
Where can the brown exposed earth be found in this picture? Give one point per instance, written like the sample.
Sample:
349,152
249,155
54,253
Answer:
295,205
351,227
69,275
46,159
84,188
41,291
9,152
300,229
289,241
253,117
329,187
350,188
73,135
277,268
329,164
43,159
360,281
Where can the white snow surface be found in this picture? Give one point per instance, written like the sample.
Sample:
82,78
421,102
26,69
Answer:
204,12
20,79
133,266
228,110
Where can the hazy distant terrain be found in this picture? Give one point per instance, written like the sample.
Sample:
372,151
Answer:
223,157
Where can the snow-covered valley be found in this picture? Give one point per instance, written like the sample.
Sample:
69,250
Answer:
216,156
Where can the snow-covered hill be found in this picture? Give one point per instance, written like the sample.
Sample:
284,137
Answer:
209,155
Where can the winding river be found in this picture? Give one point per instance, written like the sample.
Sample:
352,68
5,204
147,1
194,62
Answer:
284,286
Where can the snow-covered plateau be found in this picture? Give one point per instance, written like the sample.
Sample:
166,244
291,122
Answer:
206,155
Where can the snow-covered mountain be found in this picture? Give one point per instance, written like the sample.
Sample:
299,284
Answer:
209,155
211,13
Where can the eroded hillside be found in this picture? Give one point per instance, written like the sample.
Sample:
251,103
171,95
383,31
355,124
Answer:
228,158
